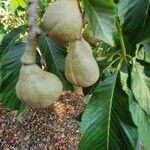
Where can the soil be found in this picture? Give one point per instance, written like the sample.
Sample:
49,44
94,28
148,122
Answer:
53,128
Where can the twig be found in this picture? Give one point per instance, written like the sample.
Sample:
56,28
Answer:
32,20
29,56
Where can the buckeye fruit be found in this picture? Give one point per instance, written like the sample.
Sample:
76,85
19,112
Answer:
63,21
36,87
81,68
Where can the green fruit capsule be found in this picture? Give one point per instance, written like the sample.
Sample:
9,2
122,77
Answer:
37,88
63,21
81,68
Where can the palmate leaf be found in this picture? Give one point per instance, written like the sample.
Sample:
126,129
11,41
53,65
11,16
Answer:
135,19
141,119
140,78
106,122
54,56
10,66
101,16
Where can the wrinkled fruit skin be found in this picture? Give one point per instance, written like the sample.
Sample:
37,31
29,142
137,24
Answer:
81,69
89,37
63,21
36,87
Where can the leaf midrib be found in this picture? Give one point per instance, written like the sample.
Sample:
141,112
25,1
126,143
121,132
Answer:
53,57
109,116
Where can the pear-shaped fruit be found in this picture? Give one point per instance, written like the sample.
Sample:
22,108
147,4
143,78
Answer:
36,87
89,37
63,21
81,68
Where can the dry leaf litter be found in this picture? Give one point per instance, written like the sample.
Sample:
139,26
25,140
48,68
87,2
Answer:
53,128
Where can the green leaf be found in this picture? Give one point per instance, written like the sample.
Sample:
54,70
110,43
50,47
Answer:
144,53
43,4
10,65
14,4
101,16
54,56
106,122
140,84
142,120
135,19
10,38
146,45
2,31
10,54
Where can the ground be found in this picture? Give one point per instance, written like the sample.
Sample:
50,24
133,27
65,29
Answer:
53,128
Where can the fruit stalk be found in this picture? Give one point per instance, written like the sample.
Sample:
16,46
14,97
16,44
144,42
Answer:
29,56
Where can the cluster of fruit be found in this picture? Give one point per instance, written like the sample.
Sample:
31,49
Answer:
38,88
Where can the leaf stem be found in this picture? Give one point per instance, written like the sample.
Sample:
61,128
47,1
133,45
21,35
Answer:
111,63
123,49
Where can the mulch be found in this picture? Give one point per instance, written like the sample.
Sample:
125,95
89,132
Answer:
53,128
